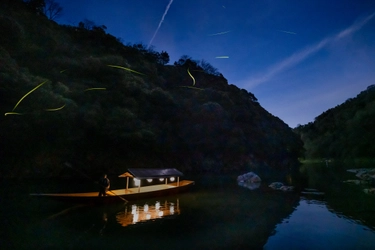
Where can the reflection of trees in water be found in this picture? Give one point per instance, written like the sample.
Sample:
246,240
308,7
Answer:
343,199
350,201
238,219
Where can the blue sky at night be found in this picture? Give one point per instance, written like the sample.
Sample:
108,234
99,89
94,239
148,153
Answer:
299,58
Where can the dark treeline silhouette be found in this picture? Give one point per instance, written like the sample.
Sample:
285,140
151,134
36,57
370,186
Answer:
137,112
49,8
344,132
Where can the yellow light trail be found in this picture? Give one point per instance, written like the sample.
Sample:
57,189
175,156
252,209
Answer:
12,113
120,67
192,77
56,109
190,87
28,93
95,89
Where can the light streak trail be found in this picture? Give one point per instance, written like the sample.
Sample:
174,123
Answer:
12,113
120,67
56,109
192,77
302,55
161,21
191,87
28,93
95,89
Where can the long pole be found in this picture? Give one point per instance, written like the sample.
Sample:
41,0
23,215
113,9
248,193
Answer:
70,166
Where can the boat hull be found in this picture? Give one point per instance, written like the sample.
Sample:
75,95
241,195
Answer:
122,195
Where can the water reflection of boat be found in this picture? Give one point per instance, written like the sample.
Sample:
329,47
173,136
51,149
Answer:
146,183
134,213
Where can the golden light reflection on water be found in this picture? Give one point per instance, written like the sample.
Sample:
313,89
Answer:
137,213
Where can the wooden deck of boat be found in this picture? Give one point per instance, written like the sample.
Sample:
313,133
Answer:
124,192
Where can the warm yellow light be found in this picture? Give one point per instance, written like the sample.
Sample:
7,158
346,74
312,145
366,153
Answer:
157,205
171,209
172,178
149,180
134,209
135,218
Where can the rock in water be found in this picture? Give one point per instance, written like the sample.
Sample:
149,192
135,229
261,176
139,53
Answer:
280,186
249,177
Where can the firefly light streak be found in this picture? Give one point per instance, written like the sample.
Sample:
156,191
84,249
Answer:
56,109
12,113
28,93
127,69
192,77
94,89
190,87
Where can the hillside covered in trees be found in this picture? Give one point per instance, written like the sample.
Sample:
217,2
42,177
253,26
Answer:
79,95
344,132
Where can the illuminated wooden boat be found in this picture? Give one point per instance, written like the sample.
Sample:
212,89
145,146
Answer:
146,183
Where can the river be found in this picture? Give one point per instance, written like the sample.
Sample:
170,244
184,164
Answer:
216,214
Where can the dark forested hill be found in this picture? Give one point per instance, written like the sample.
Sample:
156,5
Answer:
344,132
78,95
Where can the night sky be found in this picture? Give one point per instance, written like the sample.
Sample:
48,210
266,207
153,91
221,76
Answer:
299,58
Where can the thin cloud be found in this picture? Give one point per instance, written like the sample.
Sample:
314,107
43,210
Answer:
161,21
304,54
220,33
288,32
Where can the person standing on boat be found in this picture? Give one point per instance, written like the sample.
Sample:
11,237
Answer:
104,184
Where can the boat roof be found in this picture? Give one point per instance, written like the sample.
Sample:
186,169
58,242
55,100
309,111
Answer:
126,174
144,173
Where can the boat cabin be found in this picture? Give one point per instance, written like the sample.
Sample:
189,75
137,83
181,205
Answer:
153,176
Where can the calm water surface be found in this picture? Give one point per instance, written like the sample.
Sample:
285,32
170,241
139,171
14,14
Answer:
216,214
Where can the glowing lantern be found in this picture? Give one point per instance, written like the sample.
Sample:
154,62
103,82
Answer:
137,182
171,209
134,209
135,218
